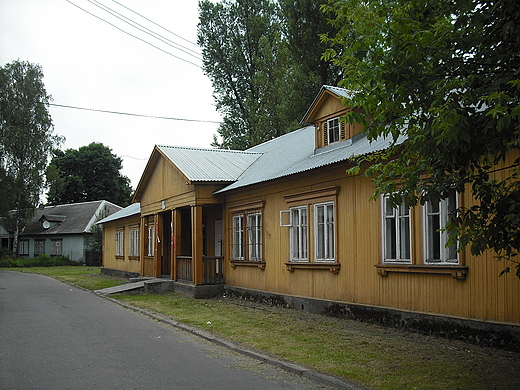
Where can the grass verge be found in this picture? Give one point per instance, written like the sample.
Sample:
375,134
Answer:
374,356
89,278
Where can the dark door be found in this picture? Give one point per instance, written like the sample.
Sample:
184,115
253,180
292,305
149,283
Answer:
166,243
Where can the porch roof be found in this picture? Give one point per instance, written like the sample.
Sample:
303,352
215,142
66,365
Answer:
212,165
133,209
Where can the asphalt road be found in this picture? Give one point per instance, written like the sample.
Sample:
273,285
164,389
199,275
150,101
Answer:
55,336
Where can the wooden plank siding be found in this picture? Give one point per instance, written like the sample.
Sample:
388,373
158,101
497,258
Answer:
125,262
483,294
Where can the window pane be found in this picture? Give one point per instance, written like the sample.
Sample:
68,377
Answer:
330,241
255,236
434,237
433,207
324,231
320,249
390,239
333,130
320,214
238,237
330,214
389,210
404,238
304,243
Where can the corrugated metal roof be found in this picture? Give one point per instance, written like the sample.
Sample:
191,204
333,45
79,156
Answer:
338,91
294,153
133,209
209,164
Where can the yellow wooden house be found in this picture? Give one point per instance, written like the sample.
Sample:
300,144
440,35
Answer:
284,220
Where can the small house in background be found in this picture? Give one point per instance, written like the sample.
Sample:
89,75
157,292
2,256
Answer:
63,229
285,222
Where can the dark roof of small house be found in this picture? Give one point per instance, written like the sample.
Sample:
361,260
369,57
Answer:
133,209
74,218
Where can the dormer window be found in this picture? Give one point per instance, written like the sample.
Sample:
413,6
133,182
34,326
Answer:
333,132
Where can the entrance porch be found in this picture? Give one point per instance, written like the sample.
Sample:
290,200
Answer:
187,245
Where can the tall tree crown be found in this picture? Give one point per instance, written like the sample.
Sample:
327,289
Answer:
89,173
446,75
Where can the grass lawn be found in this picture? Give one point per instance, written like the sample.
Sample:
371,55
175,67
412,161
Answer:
86,277
374,356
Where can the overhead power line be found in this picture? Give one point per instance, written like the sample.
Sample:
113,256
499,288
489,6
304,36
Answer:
134,36
146,30
158,25
132,114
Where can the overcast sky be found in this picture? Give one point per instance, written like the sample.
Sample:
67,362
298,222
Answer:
89,63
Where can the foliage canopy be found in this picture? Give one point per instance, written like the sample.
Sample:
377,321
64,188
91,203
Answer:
89,173
263,59
446,75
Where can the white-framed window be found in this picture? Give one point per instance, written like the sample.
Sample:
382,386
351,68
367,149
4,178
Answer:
23,247
246,235
56,247
134,241
150,240
39,247
435,217
396,230
238,237
299,235
324,232
254,234
120,242
333,130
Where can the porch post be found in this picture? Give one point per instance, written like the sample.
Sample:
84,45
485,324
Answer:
143,241
175,241
196,244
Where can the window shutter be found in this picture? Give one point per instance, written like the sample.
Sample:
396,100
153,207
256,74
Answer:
325,134
343,130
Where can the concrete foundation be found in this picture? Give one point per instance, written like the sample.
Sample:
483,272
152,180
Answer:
118,273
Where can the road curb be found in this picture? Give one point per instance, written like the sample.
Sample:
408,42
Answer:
315,376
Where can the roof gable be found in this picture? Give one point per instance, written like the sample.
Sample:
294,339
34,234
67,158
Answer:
198,164
329,98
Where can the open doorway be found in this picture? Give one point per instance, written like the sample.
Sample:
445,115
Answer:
165,247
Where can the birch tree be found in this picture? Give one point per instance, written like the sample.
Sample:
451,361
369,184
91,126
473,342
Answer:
26,139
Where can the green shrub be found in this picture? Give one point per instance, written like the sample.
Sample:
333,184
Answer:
43,260
8,263
5,254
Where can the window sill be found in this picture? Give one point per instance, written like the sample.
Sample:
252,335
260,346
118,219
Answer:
458,272
120,257
332,267
247,263
133,257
